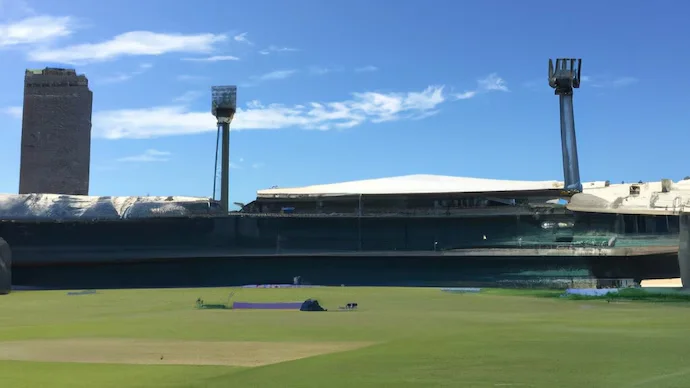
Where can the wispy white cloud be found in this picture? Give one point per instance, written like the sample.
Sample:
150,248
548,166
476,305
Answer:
366,69
374,107
624,81
465,95
150,155
12,111
242,38
490,83
276,49
275,75
604,81
214,58
257,165
317,70
34,30
121,77
188,97
191,78
134,43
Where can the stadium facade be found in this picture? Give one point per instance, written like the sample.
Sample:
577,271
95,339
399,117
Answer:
403,230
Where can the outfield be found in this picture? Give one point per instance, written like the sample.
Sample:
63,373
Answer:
398,338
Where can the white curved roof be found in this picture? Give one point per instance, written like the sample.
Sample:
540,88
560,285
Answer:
650,200
415,184
71,207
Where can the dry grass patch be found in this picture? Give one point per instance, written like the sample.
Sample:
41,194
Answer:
159,352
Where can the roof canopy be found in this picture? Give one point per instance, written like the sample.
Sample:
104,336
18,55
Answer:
649,198
415,184
82,207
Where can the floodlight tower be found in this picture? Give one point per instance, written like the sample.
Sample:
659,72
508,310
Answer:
223,106
564,78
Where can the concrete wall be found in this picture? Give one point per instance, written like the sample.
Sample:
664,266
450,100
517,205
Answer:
290,234
5,268
324,270
262,235
56,136
684,249
285,233
392,271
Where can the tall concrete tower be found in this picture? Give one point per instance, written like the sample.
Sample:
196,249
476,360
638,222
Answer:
56,133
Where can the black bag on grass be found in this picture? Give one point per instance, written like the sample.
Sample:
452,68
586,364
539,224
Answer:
311,305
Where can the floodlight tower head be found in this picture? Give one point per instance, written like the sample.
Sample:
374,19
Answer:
223,106
565,76
224,103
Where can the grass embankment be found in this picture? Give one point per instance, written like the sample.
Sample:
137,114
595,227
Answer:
638,295
622,295
399,337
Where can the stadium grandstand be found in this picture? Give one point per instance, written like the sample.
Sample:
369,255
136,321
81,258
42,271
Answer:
410,194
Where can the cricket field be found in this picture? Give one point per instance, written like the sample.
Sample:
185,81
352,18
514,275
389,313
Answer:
398,337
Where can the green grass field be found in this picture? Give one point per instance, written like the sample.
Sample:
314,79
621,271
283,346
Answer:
400,337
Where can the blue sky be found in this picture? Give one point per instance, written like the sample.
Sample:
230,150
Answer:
335,91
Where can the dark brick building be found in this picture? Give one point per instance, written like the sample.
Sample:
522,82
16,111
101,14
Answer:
56,133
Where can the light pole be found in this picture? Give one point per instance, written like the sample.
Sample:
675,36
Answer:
565,77
223,107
